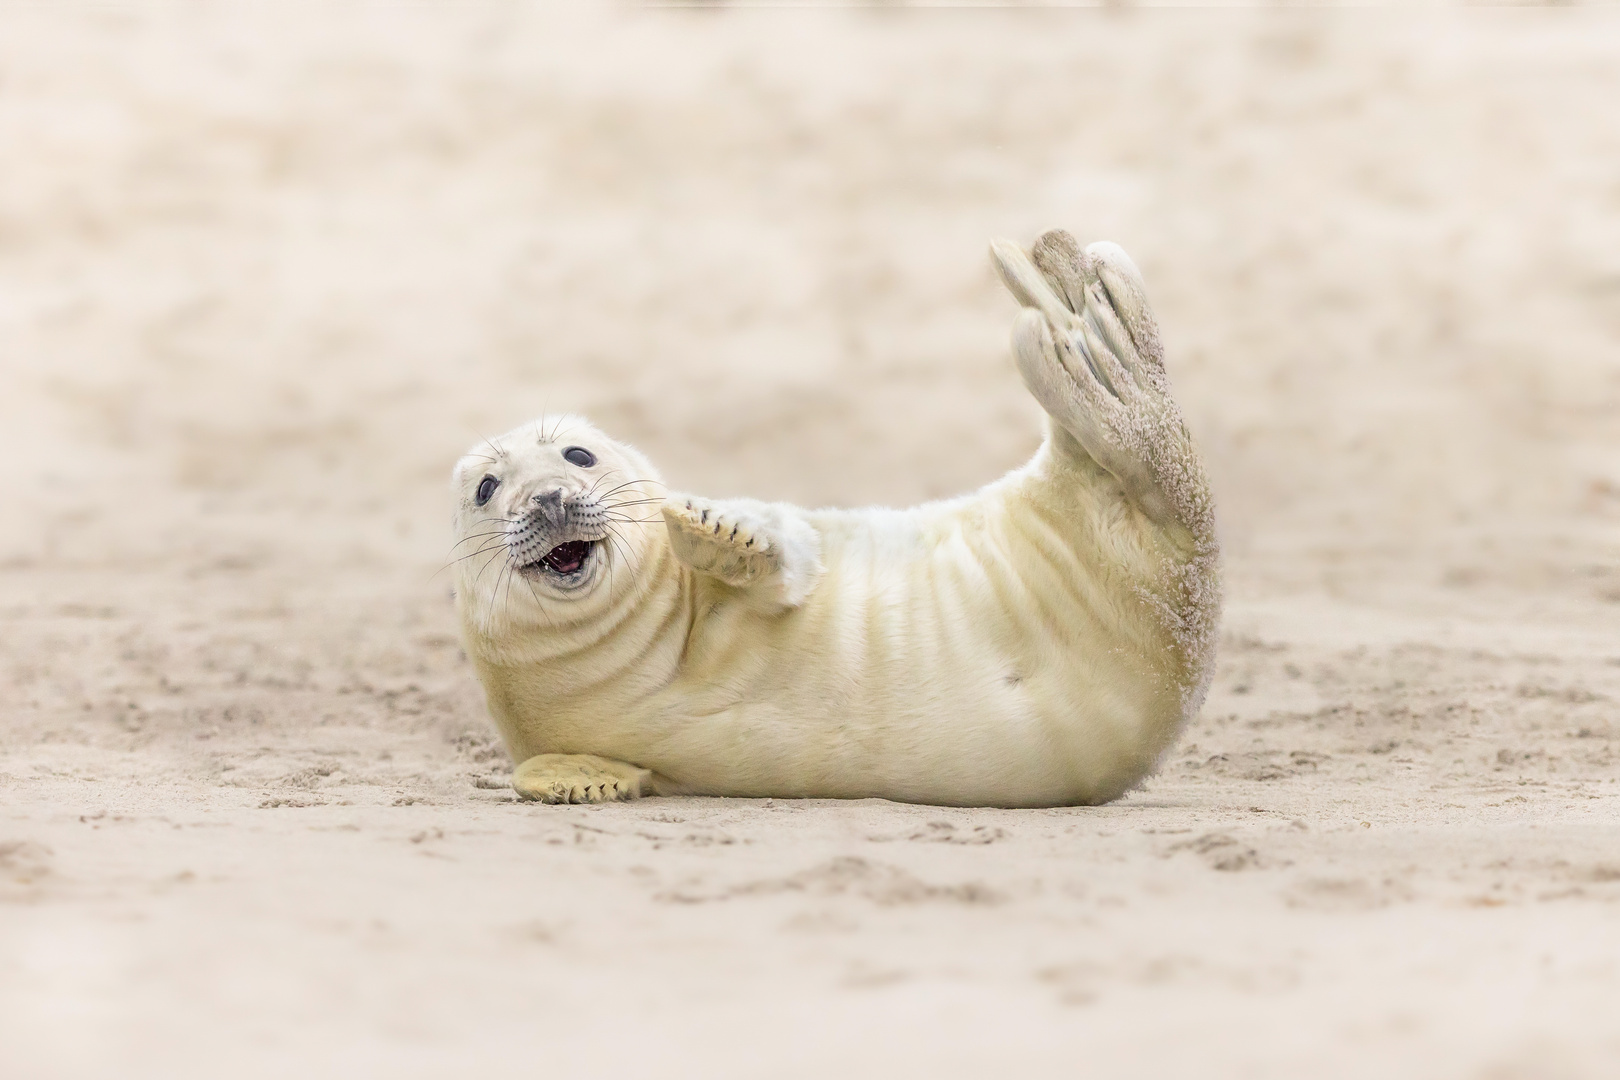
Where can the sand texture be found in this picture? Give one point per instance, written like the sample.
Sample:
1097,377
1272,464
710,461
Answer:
266,271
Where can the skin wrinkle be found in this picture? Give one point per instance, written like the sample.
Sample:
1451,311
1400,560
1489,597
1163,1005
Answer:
1015,597
1038,610
1048,540
1040,642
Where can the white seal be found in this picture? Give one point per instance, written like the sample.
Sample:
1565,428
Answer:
1038,643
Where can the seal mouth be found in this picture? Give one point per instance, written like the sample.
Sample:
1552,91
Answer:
567,559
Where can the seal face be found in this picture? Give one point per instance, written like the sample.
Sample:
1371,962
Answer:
543,513
1040,642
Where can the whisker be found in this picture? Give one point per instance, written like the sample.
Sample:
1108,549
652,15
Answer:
484,622
475,536
590,492
488,623
506,594
481,551
492,558
539,603
489,545
486,549
469,555
633,483
497,451
613,539
453,562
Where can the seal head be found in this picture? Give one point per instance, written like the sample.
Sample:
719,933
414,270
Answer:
547,513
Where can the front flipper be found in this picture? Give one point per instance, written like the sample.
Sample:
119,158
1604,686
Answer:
580,778
768,550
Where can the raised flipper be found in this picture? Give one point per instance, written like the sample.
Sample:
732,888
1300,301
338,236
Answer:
766,550
1088,348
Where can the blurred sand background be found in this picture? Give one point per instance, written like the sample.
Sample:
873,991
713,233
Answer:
266,271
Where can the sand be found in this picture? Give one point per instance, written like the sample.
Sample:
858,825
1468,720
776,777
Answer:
265,272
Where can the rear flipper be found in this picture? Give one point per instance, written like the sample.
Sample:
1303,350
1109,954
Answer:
1088,348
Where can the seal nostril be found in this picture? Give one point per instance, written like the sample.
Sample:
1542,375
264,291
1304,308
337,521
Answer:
550,508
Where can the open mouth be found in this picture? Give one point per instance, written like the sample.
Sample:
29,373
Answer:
567,558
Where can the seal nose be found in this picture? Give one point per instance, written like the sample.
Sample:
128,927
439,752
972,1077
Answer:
550,505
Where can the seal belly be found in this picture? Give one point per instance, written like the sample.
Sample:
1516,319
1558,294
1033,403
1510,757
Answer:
936,663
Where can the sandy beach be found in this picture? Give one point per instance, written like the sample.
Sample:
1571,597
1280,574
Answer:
266,272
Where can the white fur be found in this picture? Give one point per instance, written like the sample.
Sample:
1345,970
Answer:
1040,642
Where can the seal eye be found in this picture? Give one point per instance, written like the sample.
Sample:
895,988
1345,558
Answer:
486,488
578,455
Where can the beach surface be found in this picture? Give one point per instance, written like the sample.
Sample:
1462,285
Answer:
266,272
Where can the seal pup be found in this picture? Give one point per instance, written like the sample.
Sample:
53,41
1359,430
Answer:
1040,642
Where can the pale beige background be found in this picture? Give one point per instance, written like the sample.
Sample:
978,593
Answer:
265,271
